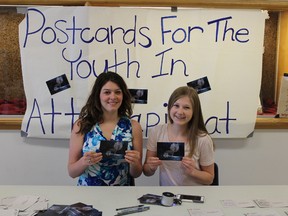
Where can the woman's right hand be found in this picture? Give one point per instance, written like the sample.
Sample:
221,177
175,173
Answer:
90,158
153,163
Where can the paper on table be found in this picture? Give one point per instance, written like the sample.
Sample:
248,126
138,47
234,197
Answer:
239,204
263,213
8,212
20,202
41,204
25,213
26,205
205,212
262,203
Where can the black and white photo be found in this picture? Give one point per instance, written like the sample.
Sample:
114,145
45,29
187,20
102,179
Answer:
170,150
112,148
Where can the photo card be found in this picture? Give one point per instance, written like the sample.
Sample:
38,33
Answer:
151,199
170,150
77,209
112,148
139,96
58,84
200,85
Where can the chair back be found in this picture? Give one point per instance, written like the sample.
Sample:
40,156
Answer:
216,175
132,181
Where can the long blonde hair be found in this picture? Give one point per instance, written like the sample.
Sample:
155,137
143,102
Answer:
196,126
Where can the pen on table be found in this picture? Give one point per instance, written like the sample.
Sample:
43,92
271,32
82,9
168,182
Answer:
132,210
129,207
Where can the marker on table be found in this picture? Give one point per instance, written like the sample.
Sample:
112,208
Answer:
131,210
129,207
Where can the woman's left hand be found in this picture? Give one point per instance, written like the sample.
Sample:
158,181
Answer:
189,165
132,157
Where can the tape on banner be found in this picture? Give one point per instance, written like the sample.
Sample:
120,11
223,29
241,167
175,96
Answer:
167,199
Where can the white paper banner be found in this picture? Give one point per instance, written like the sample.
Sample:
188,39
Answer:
64,49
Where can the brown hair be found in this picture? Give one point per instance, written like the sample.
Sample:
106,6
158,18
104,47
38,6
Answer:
92,112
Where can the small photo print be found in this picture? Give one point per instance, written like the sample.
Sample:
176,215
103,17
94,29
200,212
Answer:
58,84
139,96
112,148
72,210
150,199
200,85
170,150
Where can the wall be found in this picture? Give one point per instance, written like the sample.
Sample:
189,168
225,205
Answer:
261,159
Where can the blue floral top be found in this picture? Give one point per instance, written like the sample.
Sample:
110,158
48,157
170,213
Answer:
109,171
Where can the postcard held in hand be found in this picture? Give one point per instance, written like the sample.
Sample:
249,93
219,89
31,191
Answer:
112,148
170,150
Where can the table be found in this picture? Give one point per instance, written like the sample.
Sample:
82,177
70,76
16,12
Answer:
107,199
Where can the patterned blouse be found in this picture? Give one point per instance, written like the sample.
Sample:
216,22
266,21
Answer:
109,171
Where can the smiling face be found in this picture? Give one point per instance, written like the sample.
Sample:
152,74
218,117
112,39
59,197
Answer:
111,97
181,111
